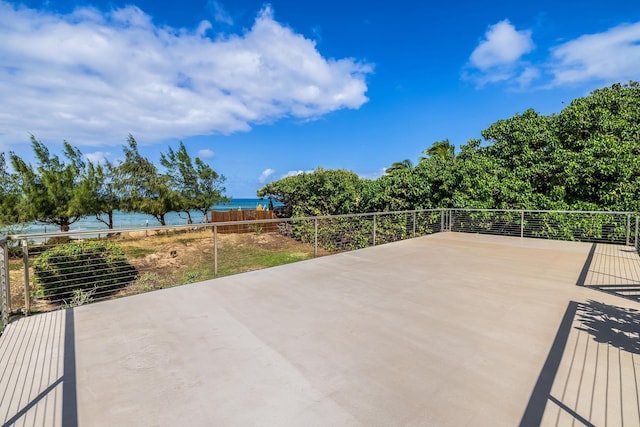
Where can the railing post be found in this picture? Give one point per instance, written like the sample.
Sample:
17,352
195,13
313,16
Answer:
635,242
25,266
374,230
450,219
5,296
315,237
521,224
442,220
414,224
215,251
628,229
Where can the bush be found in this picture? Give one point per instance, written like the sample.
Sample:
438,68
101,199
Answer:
97,267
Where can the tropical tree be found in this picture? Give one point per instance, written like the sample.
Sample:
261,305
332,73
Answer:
100,192
198,185
321,192
9,196
397,166
49,192
442,149
142,188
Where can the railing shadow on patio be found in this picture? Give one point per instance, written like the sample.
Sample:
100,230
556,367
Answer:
582,379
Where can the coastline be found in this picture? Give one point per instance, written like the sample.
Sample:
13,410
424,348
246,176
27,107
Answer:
124,220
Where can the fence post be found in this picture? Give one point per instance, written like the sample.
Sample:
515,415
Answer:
414,224
315,237
521,224
442,220
636,236
25,266
450,219
215,251
374,230
5,296
628,229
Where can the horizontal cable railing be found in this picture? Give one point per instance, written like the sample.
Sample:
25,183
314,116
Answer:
42,272
584,226
48,271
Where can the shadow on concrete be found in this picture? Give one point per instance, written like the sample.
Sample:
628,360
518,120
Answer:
69,390
599,272
68,380
542,390
616,326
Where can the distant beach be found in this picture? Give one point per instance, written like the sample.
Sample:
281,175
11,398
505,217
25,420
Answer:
122,220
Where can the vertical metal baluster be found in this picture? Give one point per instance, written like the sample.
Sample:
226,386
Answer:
25,264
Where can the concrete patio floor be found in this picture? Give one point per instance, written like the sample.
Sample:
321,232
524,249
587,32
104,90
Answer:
445,330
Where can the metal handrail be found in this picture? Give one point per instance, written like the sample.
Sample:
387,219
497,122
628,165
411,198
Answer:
545,211
344,232
204,225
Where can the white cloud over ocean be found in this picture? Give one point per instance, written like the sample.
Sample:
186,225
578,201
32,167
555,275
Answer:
91,77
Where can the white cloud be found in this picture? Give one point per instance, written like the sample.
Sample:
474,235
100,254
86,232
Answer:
97,156
373,175
219,13
295,173
265,175
206,154
498,57
613,55
605,57
92,77
528,75
503,45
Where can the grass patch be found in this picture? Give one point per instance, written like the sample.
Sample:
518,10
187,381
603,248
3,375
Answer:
186,240
235,259
137,252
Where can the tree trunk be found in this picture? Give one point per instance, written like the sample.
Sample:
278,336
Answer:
108,222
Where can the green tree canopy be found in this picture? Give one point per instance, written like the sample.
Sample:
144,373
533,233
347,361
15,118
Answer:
322,192
198,185
100,192
9,196
142,188
49,192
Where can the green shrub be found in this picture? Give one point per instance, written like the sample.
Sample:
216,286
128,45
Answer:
98,267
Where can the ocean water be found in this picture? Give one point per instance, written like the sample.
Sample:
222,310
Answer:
122,220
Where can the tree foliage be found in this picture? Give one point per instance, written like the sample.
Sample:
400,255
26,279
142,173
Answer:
49,192
199,186
101,192
142,188
9,196
587,157
321,192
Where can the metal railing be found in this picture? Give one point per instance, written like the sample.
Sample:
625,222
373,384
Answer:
584,226
5,303
49,271
40,272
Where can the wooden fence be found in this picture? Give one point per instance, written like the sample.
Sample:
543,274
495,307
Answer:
248,215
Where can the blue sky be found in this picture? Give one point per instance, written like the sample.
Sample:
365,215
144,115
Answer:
264,90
